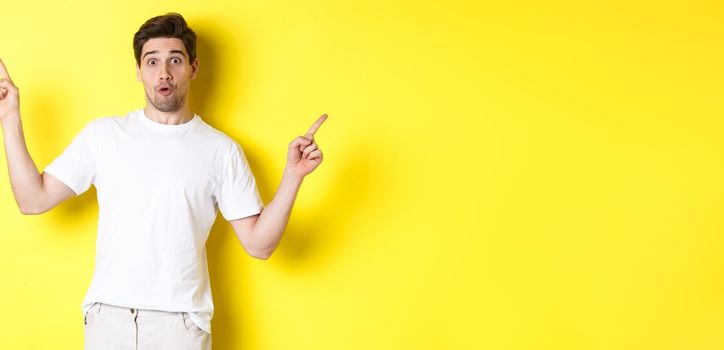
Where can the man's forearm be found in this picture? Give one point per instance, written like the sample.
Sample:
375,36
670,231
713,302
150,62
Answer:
273,220
26,183
303,157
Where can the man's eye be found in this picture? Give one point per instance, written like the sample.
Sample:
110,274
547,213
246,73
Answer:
151,62
176,60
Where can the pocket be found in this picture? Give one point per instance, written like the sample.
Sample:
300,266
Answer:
190,325
89,321
90,314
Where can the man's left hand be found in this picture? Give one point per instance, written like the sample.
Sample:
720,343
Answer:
304,155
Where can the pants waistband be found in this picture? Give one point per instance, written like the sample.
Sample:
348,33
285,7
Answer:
98,307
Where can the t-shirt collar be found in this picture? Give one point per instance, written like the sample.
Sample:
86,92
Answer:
166,128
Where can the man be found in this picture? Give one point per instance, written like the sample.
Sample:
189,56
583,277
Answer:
161,173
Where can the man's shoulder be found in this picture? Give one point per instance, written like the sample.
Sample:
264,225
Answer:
219,138
101,124
110,120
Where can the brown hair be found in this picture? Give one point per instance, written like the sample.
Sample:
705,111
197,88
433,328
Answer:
170,25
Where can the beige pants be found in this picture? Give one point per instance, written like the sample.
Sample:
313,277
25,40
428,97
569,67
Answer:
111,327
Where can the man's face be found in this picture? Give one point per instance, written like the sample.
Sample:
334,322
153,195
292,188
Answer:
166,73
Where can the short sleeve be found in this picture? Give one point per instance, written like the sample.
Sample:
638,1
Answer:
75,167
238,196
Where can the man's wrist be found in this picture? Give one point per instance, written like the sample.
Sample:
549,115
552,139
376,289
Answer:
12,120
292,177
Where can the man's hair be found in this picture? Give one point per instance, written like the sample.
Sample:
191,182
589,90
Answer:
170,25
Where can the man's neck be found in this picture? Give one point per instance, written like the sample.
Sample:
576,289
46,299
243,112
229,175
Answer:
180,116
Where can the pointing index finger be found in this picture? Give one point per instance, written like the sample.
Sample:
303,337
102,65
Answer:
4,72
316,125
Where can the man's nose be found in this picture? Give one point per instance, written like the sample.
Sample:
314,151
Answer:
165,73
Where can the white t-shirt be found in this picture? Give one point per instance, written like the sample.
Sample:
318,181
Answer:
159,187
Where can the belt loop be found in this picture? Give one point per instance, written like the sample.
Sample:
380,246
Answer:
184,317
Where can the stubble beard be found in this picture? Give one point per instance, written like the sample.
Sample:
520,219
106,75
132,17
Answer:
170,103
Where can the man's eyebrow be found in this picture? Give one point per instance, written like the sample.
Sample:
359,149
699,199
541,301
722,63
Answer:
178,51
149,52
156,51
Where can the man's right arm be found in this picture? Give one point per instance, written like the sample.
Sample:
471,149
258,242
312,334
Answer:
35,193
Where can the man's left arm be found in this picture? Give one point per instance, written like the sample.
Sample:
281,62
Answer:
260,234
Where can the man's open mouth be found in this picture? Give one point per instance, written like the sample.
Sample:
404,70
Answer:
165,90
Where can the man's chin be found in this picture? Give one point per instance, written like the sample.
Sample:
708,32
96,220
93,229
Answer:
166,103
167,106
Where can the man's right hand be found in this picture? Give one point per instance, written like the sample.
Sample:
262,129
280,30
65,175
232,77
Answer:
9,96
34,193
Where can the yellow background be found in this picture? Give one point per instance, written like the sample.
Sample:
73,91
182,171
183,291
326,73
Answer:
497,175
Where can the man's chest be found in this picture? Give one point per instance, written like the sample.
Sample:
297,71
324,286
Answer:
162,165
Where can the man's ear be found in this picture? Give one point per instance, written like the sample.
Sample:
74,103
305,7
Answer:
138,73
195,68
